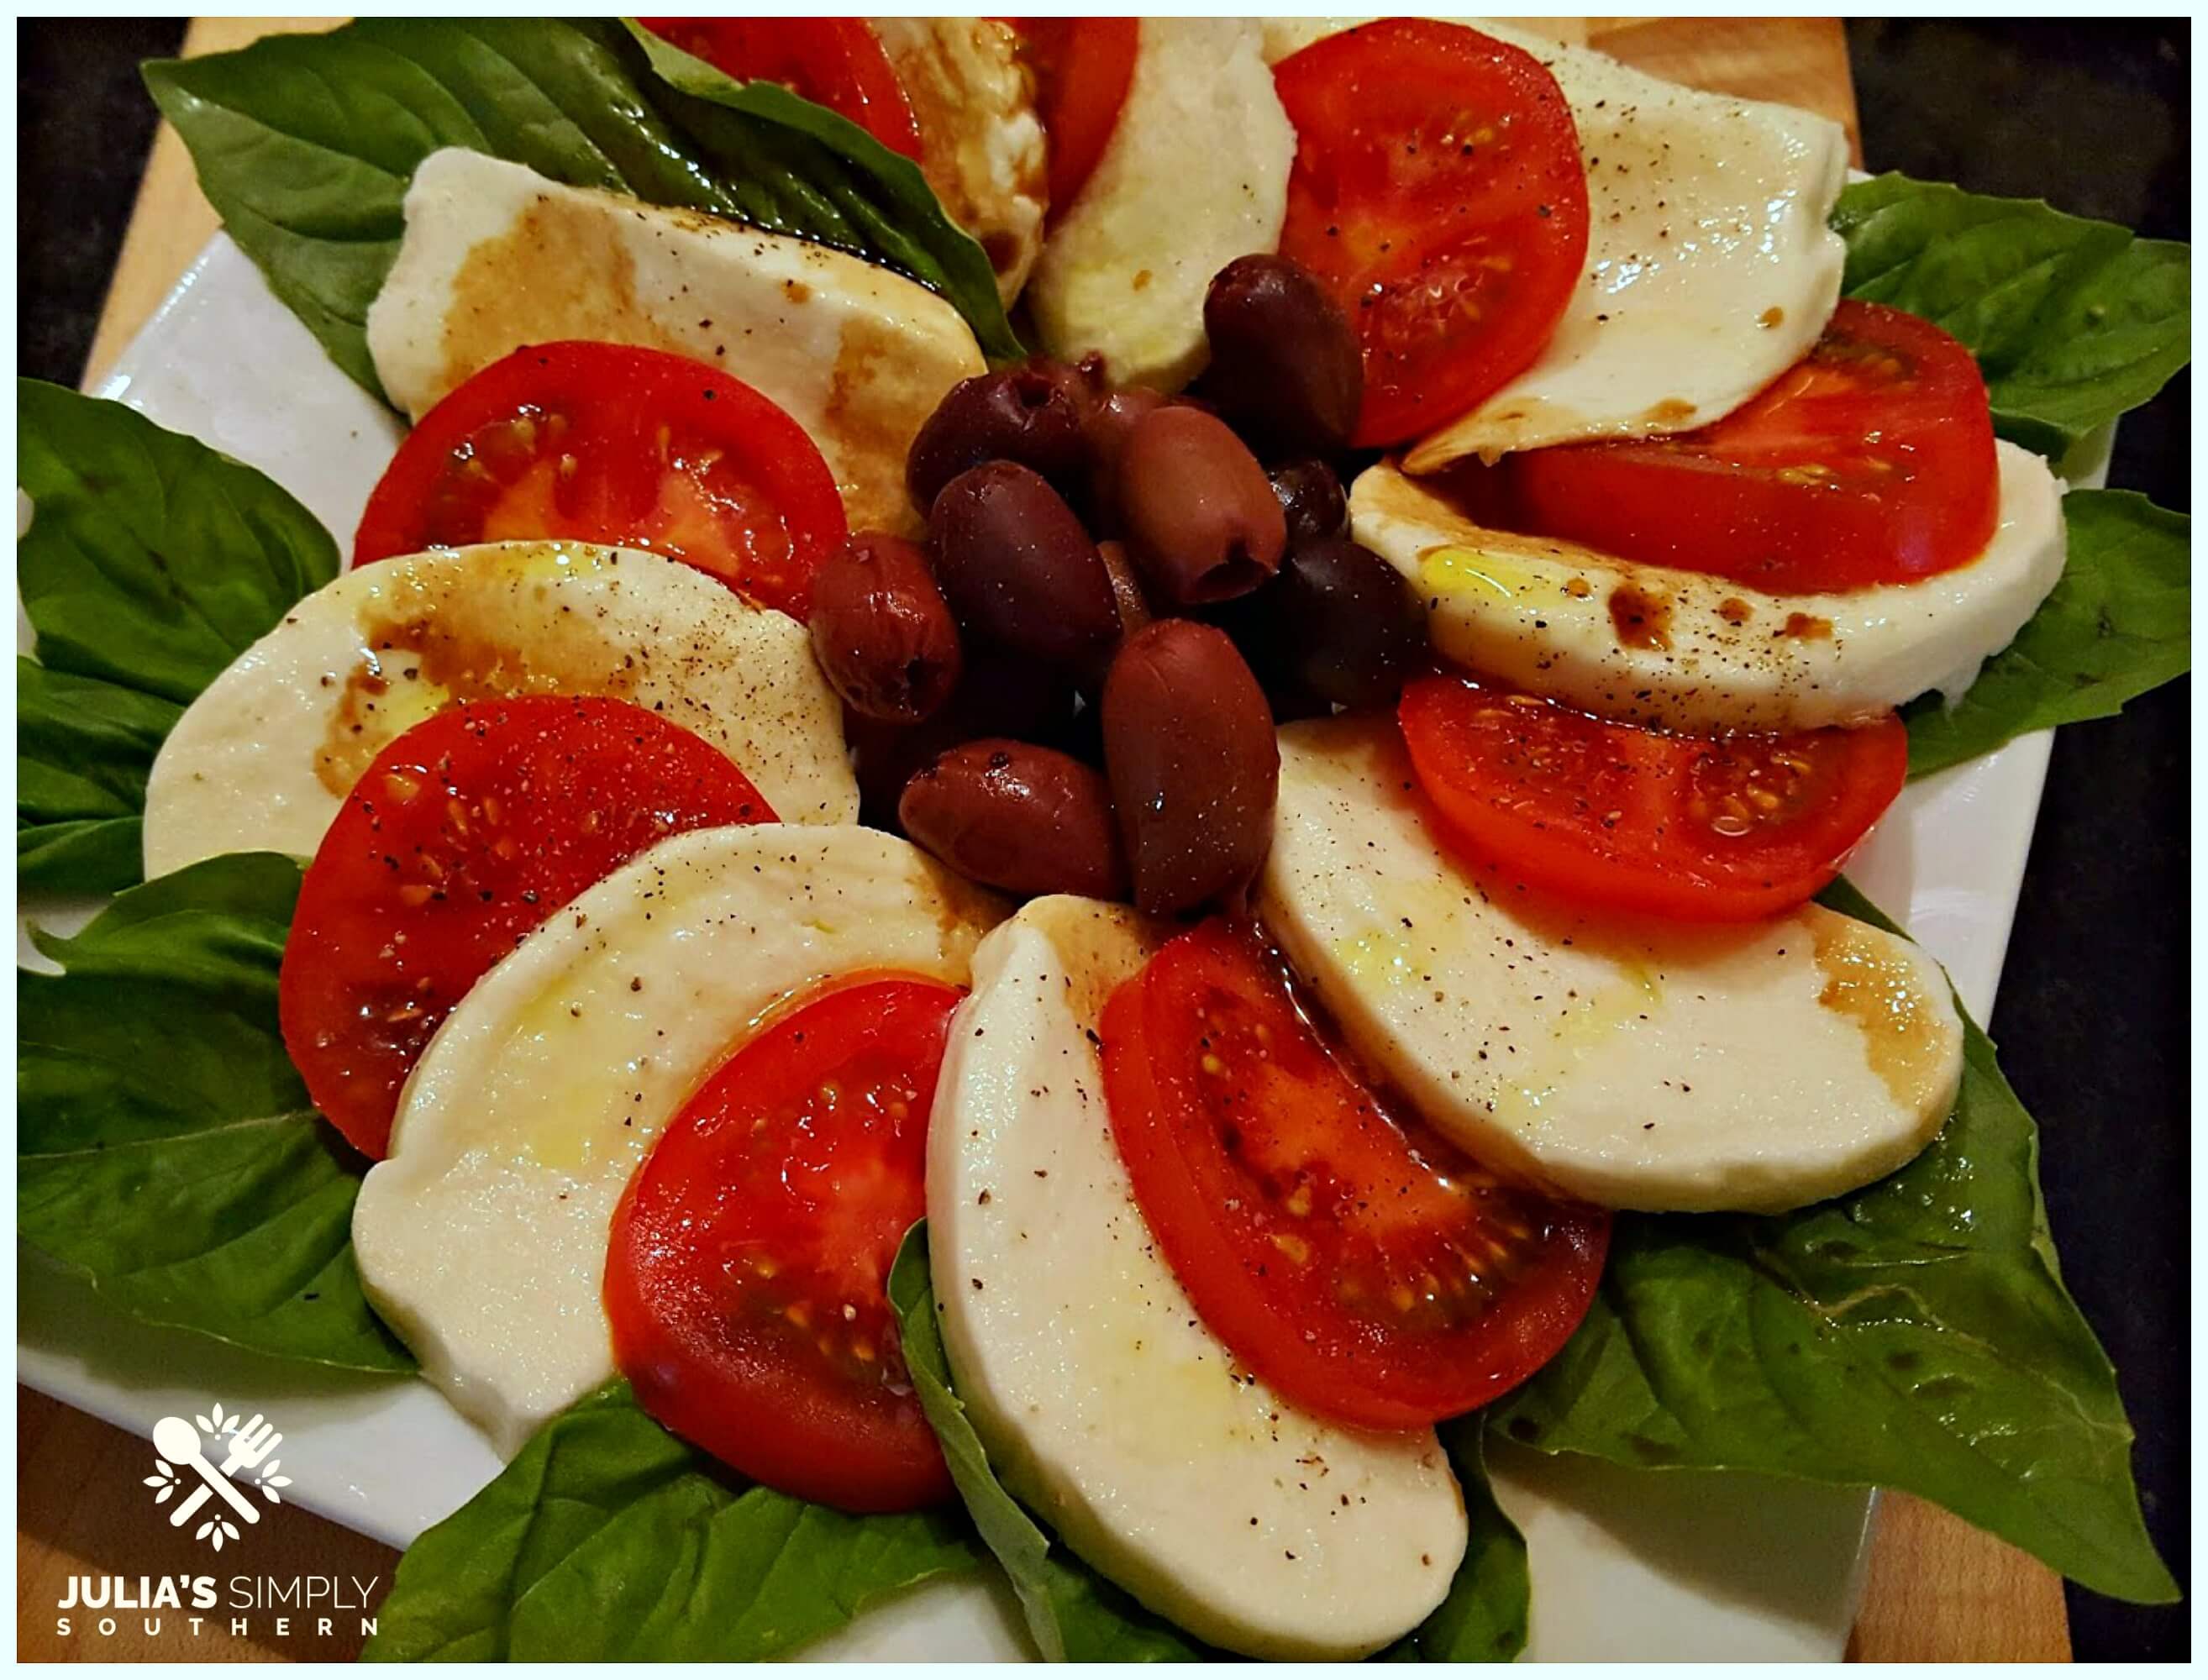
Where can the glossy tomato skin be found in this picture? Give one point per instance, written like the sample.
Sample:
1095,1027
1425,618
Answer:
615,444
1870,461
745,1279
466,831
1082,68
1438,190
1622,818
1362,1268
836,62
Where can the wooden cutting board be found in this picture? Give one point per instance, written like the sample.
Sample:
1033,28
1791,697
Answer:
1939,1590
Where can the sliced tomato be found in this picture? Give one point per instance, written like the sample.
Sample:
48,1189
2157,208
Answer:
746,1276
836,62
1082,69
1438,190
1347,1258
1628,818
1870,461
466,831
614,443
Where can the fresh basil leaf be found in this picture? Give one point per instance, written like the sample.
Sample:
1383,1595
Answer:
152,562
306,143
2073,322
1912,1335
165,1147
606,1538
881,203
1074,1614
2118,624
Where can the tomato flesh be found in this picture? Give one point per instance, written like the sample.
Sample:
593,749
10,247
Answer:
1082,69
1351,1259
747,1278
1870,461
615,444
836,62
466,832
1627,818
1437,190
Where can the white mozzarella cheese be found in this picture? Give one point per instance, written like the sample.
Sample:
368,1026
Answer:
1629,1063
481,1238
981,144
495,256
264,758
1710,269
1196,175
1688,649
1103,1401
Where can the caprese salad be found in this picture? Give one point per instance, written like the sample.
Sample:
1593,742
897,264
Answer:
1285,795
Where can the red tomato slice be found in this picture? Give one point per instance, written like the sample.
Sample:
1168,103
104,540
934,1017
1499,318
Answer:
1870,461
612,443
1356,1263
836,62
746,1276
1609,814
1438,190
1082,68
468,830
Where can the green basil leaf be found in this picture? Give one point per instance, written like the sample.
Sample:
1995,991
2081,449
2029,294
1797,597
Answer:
606,1538
1912,1335
165,1148
1073,1612
2119,623
881,204
306,143
2073,322
152,562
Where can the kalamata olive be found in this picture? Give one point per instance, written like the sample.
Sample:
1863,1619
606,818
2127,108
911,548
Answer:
882,630
1201,519
1031,414
1017,567
1001,693
1189,747
1025,820
1126,587
1285,363
1311,500
1343,623
1108,422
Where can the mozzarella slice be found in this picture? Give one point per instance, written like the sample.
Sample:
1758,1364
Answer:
1196,175
1687,650
1104,1402
263,759
1710,269
981,142
481,1238
1632,1063
495,256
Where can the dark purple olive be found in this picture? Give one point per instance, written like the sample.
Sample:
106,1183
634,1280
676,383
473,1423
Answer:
1017,567
1189,747
1025,820
1201,519
1109,424
1031,414
1311,501
1000,695
1285,364
1126,588
1340,623
882,630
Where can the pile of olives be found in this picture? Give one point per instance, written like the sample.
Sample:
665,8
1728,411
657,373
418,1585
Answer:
1071,686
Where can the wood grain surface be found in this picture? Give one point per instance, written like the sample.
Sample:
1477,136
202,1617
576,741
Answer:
1938,1591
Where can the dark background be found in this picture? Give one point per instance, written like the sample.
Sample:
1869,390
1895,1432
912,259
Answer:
2093,1018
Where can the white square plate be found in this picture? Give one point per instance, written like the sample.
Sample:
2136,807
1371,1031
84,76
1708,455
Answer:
1626,1564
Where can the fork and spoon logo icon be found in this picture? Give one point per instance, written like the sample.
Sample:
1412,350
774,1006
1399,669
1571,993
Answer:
179,1443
